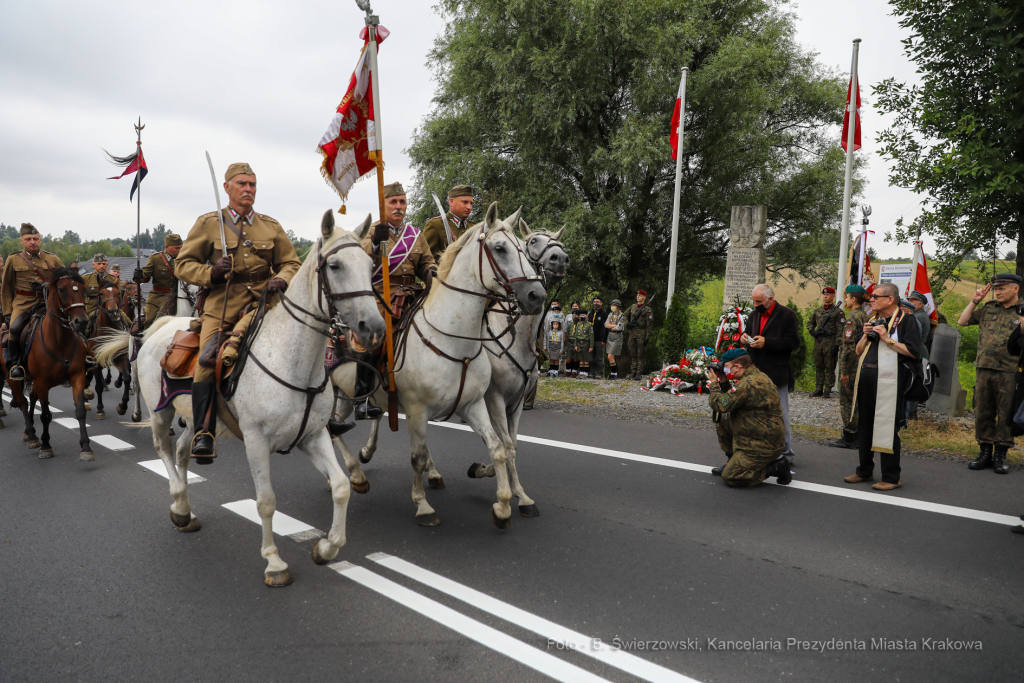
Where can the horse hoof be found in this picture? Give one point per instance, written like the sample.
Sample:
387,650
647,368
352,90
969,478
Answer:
193,525
363,487
499,522
317,557
529,511
365,455
180,520
277,579
428,520
136,417
121,410
87,456
34,444
117,383
46,453
476,470
100,415
181,422
436,483
89,395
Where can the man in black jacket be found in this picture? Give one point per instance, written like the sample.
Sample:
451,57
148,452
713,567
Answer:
596,317
771,336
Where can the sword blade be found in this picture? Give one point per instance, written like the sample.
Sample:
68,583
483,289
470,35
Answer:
220,213
444,218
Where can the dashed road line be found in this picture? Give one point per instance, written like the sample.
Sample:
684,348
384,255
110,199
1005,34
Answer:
157,466
564,638
68,422
112,442
536,659
10,397
283,524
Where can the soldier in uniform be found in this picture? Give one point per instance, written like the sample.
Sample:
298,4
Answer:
824,326
409,257
460,205
115,275
260,257
160,269
639,322
95,281
853,321
24,274
750,427
993,391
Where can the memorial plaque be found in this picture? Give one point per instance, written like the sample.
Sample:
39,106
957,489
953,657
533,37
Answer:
947,396
745,266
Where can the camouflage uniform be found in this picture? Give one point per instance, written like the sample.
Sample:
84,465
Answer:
993,391
751,430
643,316
826,346
853,324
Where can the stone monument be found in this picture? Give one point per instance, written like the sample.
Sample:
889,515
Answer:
947,396
745,266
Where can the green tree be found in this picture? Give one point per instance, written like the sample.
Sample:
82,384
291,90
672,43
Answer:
674,335
565,107
958,137
798,359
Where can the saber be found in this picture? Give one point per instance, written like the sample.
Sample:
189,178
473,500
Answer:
444,218
220,213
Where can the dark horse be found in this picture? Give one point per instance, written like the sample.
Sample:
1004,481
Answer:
56,354
107,318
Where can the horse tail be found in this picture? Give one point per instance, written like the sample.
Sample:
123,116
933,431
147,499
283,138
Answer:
111,346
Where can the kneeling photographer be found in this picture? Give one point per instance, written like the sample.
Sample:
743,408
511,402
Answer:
748,414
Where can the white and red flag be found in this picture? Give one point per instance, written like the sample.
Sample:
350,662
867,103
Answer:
920,283
349,146
673,136
846,117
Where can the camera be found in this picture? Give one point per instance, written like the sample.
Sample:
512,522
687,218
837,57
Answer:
717,366
1020,309
872,335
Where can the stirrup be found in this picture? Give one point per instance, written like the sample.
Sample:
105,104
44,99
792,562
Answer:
205,456
16,372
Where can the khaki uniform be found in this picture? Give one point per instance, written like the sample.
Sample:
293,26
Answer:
163,282
579,340
751,431
260,252
826,346
94,282
993,392
17,296
638,336
853,325
404,276
437,238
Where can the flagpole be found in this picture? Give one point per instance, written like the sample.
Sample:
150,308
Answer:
844,240
137,413
372,21
679,184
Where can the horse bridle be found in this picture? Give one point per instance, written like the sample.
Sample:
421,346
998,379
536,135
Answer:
65,321
189,297
536,261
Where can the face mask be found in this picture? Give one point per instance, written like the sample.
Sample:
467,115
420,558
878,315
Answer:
615,309
760,308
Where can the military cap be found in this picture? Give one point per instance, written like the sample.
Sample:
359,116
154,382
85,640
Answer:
919,296
115,268
28,229
856,289
394,190
616,302
640,291
906,304
828,290
235,169
732,354
460,191
172,239
99,258
1006,279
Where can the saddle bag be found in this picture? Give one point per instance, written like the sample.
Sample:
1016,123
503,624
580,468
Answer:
181,354
398,302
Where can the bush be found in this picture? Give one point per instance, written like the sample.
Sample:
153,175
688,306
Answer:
799,357
674,336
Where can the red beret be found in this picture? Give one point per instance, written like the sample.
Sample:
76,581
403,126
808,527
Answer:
640,291
829,290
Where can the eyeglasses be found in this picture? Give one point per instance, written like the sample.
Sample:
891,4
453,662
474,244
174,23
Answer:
881,296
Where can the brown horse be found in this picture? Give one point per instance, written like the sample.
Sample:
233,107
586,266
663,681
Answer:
108,318
55,354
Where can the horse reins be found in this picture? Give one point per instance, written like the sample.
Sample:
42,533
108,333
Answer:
63,322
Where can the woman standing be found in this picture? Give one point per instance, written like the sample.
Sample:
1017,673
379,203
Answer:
615,323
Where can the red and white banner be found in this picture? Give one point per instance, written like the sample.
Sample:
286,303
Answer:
673,135
920,281
349,146
846,117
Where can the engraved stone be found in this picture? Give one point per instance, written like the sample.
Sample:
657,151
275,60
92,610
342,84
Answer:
745,266
947,396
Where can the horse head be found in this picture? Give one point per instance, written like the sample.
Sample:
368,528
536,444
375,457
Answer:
546,251
66,299
109,301
343,281
511,268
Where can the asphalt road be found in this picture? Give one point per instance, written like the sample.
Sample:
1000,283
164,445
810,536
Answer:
636,545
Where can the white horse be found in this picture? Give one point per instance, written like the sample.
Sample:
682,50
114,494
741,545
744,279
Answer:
270,402
441,369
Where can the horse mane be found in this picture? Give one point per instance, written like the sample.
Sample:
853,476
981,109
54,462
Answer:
65,272
444,267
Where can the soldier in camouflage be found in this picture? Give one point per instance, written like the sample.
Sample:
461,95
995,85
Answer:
751,430
825,326
993,391
639,322
853,321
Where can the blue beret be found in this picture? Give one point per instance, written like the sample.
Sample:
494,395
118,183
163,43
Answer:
733,354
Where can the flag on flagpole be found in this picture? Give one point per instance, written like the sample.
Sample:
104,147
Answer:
349,147
132,163
860,270
673,136
920,281
846,117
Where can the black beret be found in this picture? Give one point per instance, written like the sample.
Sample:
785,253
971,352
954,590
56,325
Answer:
1006,279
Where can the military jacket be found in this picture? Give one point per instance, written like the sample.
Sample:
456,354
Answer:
853,325
755,412
437,238
415,266
260,251
995,324
832,319
94,282
643,315
926,330
580,334
17,295
157,271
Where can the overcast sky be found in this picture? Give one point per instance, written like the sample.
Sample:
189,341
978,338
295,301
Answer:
258,81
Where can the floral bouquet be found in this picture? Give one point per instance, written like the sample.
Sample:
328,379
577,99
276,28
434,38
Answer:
731,328
689,372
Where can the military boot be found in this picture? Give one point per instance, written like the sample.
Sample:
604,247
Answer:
816,393
364,383
717,471
846,440
780,469
336,427
984,460
999,460
204,419
15,371
826,393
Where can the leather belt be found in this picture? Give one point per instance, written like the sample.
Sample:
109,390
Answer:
260,276
872,366
22,292
403,280
161,290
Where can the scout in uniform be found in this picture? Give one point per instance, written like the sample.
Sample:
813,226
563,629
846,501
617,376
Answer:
852,322
95,281
409,258
160,269
24,274
993,392
260,257
460,205
824,326
639,322
579,345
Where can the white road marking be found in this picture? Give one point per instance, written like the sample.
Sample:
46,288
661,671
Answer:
158,467
112,442
10,397
69,422
867,496
536,659
641,668
283,524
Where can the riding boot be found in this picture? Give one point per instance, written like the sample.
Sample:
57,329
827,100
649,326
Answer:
204,418
15,370
999,465
364,383
90,364
984,459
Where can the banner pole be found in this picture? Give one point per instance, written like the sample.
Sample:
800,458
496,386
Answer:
679,184
844,239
